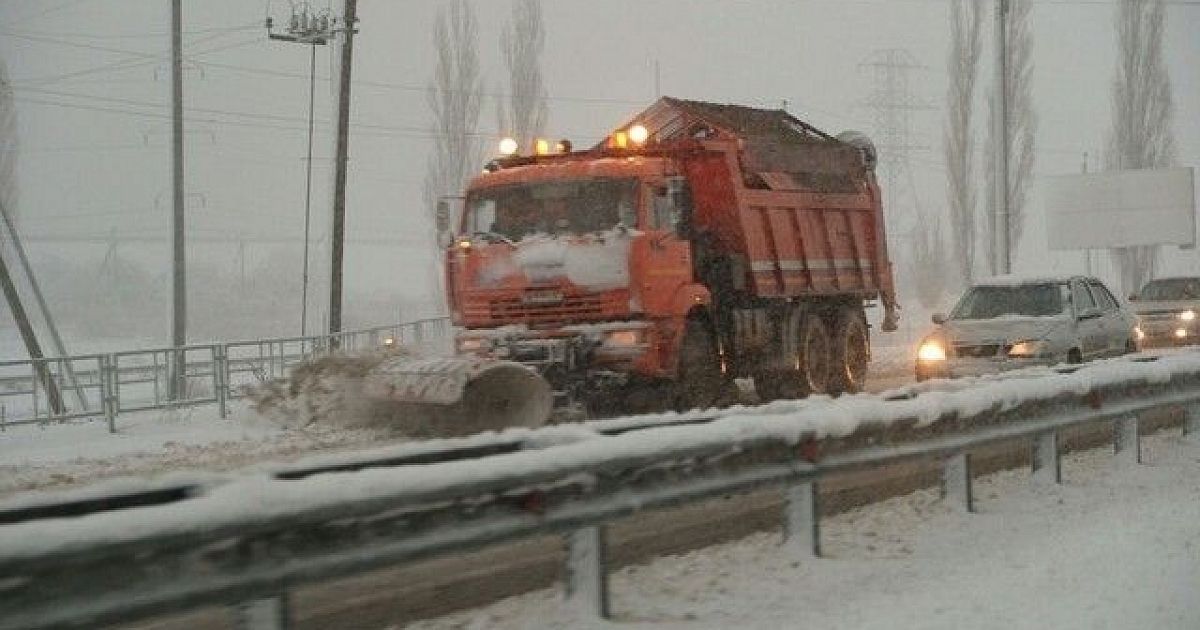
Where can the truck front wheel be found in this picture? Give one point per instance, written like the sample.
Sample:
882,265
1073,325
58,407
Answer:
700,383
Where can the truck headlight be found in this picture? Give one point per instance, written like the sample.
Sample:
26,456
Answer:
1029,349
931,350
1187,316
624,338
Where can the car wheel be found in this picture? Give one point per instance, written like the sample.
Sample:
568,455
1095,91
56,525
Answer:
1074,356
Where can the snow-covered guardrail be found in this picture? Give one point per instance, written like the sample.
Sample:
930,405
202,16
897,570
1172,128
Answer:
103,386
112,554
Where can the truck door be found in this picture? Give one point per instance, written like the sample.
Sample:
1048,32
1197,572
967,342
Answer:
662,257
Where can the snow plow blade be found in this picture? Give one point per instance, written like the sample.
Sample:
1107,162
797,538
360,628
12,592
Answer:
462,396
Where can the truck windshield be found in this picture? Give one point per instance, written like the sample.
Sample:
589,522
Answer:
1172,289
555,208
1027,300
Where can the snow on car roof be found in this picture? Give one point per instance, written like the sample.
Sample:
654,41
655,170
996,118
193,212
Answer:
1015,280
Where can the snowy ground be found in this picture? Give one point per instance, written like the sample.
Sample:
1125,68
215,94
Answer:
1114,547
154,442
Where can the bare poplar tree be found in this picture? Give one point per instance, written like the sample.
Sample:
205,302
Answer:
929,261
8,146
521,44
966,21
454,98
1142,108
1022,125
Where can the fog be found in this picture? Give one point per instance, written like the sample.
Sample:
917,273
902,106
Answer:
91,85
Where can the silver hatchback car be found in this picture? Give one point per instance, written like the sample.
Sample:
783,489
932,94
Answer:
1006,323
1167,311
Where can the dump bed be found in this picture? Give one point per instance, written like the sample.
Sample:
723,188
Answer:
797,210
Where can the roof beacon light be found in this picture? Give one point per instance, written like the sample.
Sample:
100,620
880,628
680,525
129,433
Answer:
541,146
564,146
620,140
638,134
508,146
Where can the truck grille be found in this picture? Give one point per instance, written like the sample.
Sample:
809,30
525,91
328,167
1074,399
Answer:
572,308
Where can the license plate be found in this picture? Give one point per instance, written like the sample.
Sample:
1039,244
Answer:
542,297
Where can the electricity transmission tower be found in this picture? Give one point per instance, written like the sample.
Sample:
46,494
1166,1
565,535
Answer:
314,28
892,104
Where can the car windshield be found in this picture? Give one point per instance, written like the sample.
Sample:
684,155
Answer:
556,208
1172,289
1027,300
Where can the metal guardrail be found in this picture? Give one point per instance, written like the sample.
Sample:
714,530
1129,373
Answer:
244,541
135,380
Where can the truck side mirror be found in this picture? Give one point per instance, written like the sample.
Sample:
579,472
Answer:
681,202
444,236
939,318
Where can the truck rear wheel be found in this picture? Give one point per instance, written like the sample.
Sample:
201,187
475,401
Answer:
810,360
701,383
851,352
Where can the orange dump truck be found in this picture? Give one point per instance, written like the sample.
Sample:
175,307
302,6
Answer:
697,243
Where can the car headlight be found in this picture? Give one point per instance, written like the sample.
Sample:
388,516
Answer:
624,338
1141,334
474,344
1187,316
931,350
1028,349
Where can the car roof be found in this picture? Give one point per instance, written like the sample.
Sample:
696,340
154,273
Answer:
1018,281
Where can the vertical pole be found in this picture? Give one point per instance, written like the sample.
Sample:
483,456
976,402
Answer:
179,288
1002,261
956,482
1127,442
312,88
587,573
106,391
1047,468
341,149
802,519
1087,252
221,377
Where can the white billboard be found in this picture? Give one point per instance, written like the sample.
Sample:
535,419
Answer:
1121,209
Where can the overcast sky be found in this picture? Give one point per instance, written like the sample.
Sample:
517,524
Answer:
92,91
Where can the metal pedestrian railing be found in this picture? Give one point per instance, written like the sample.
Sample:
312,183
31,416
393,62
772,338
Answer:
108,385
187,544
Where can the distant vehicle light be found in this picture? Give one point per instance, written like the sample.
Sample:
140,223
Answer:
508,146
464,244
1187,316
931,351
389,342
1141,334
639,134
1181,333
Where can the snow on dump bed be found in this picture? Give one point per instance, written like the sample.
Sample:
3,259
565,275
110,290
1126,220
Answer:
1112,548
258,497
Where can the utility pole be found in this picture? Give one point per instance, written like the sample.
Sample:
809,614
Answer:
341,150
1003,262
1083,168
176,388
313,29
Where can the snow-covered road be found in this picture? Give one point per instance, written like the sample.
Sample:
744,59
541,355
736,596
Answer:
1114,547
